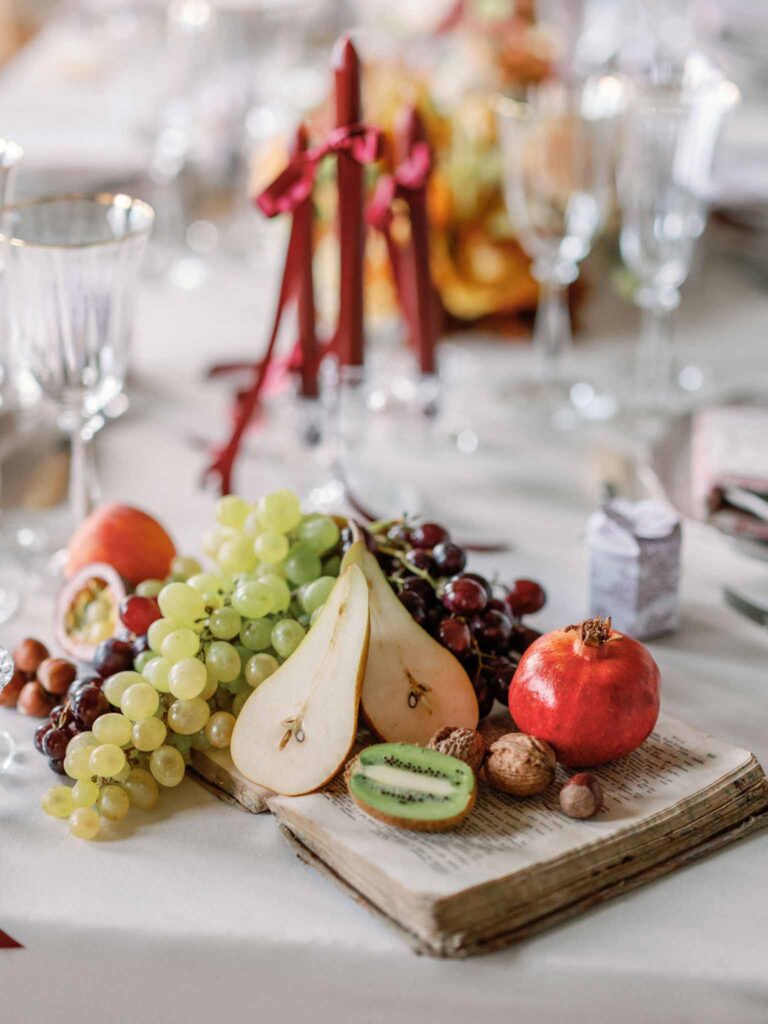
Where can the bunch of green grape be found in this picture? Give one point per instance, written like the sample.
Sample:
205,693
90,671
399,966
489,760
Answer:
220,634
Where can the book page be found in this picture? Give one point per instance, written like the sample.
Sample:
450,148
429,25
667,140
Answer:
505,834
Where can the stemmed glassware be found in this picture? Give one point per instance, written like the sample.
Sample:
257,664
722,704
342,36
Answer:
558,147
72,265
672,127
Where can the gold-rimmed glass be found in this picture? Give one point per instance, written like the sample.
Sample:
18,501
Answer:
72,264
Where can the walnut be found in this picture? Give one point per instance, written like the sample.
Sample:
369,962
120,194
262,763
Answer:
465,744
581,796
519,764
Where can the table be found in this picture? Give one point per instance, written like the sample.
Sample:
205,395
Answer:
203,913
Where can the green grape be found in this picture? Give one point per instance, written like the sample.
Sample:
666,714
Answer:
112,728
149,734
58,802
256,634
141,789
271,547
114,687
259,668
124,772
149,588
211,684
253,600
313,595
113,803
223,660
219,728
287,634
213,600
83,739
224,624
182,743
252,523
106,760
188,716
302,565
141,661
280,511
181,643
332,566
231,511
140,701
182,568
210,583
279,590
167,766
199,741
77,765
84,823
181,602
158,631
320,533
238,702
188,678
85,793
156,673
236,556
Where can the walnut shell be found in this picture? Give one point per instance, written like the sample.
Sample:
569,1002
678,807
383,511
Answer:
465,744
520,765
581,796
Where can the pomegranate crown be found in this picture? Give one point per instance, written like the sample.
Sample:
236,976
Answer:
593,632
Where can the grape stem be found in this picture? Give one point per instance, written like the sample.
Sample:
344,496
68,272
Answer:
412,569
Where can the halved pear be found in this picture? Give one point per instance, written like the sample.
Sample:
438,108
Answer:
297,728
413,686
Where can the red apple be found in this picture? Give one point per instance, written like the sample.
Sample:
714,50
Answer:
590,692
126,538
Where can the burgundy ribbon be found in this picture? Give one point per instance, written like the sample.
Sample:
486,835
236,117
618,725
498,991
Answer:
294,184
6,942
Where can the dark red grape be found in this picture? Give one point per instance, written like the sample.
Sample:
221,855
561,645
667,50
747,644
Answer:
492,630
484,695
428,535
89,704
497,605
455,635
449,559
388,565
482,581
522,637
418,585
57,712
113,656
56,765
138,613
40,734
526,597
55,743
499,677
464,596
415,606
420,560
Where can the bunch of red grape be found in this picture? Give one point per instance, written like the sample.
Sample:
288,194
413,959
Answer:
479,622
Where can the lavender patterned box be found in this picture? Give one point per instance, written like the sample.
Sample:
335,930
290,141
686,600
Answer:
634,566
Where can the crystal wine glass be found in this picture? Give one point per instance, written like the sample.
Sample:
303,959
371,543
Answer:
672,126
72,263
557,149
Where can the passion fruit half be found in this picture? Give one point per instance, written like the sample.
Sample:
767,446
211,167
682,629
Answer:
88,610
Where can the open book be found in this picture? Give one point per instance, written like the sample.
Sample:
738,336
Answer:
517,866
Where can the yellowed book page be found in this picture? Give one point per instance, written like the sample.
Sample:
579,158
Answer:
504,834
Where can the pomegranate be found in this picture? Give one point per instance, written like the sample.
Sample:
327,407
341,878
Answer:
590,692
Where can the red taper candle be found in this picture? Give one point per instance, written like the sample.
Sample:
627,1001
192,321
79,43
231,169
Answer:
305,299
409,129
349,339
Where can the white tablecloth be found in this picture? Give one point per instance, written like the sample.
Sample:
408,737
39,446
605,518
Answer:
201,913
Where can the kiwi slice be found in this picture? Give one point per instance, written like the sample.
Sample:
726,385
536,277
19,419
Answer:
411,787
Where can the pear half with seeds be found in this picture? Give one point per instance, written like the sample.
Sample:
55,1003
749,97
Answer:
413,686
297,728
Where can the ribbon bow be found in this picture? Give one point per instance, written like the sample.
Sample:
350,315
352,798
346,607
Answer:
410,176
295,183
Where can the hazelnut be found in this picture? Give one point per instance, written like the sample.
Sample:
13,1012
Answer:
9,693
520,765
28,655
465,744
56,675
34,701
581,796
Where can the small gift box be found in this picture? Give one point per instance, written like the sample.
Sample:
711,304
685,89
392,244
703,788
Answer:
634,566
